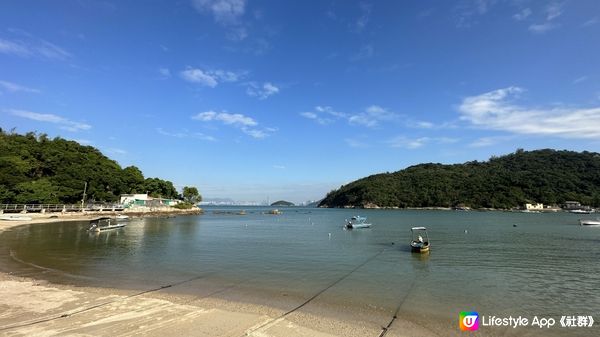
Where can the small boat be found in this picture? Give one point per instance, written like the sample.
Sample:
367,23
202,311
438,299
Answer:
580,211
275,212
15,218
103,224
419,244
589,222
357,222
122,217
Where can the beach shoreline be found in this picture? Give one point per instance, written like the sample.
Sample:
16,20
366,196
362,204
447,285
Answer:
36,306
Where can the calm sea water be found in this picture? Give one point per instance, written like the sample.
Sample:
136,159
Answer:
547,265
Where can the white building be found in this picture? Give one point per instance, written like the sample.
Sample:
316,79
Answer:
534,207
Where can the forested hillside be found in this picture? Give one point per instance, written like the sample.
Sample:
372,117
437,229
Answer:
546,176
36,169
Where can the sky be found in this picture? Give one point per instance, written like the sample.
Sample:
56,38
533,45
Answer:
266,100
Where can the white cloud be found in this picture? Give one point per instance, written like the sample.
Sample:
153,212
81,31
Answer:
13,87
415,143
186,134
494,110
199,76
553,11
225,118
210,78
244,123
365,52
580,79
114,150
489,141
225,12
541,28
590,22
279,167
371,117
29,46
356,143
522,15
262,92
64,123
363,20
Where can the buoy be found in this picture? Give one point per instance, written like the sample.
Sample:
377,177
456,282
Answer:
466,231
329,236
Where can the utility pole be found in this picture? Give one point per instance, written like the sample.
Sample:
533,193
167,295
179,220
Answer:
83,199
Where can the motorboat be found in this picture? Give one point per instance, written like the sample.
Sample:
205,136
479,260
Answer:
589,222
122,217
275,212
357,222
420,240
104,224
580,211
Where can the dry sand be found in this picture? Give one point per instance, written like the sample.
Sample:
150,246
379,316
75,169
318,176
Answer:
30,307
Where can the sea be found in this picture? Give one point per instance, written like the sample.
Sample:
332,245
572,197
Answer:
497,264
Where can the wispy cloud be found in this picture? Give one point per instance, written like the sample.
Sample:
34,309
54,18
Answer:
279,167
223,11
541,28
365,13
261,91
523,14
63,123
415,143
372,116
164,73
494,110
467,11
245,123
580,79
227,13
553,11
13,87
352,142
490,141
590,22
186,134
27,45
365,52
115,151
210,78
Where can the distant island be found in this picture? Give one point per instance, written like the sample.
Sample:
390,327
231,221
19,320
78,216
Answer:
282,203
544,176
35,169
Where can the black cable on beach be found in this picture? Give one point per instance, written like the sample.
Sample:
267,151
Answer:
315,295
386,328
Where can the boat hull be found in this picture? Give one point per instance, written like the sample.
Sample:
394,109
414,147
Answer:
589,222
418,248
357,226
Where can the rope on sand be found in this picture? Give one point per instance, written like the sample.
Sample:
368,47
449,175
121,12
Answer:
280,317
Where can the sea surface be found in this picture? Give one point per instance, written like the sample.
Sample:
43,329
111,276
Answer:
494,263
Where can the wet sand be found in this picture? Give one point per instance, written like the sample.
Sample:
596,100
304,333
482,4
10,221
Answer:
34,307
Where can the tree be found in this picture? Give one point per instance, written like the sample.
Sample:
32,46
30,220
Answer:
191,195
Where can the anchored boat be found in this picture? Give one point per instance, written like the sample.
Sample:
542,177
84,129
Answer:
589,222
419,244
103,224
357,222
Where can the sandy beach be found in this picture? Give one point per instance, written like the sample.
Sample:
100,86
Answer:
34,307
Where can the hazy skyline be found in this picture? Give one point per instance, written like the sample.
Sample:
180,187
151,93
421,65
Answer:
252,100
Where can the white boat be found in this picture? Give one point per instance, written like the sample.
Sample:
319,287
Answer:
103,224
579,211
357,222
15,218
122,217
589,222
418,244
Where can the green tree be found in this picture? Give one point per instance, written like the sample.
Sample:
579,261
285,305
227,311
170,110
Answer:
191,195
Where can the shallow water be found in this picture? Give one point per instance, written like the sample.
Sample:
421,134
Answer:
547,266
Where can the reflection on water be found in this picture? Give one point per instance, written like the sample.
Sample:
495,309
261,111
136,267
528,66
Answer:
547,265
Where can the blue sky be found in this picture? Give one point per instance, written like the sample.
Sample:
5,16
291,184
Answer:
290,99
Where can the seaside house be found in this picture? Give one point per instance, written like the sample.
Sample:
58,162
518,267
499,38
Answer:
144,200
534,207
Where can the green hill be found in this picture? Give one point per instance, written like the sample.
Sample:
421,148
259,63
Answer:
36,169
282,203
546,176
